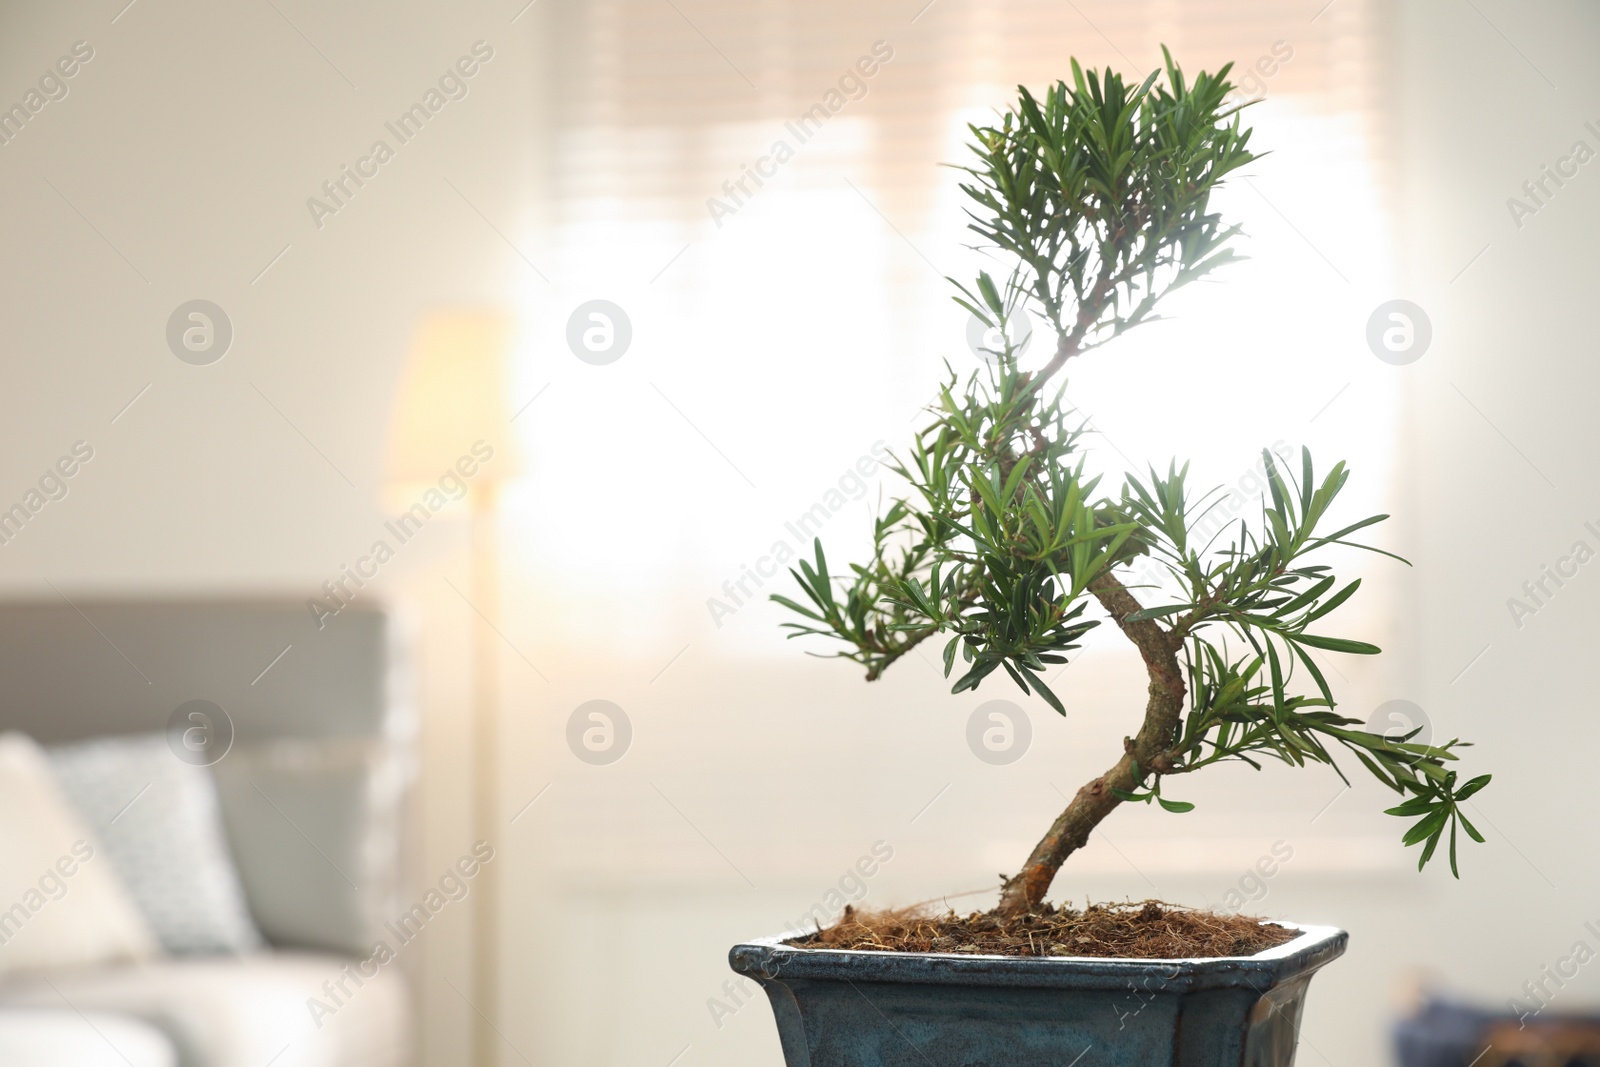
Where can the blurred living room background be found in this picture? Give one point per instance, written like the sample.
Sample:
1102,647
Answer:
603,516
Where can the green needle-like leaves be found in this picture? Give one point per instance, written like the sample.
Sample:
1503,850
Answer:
1096,195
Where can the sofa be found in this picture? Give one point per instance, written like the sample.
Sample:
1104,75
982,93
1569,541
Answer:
304,734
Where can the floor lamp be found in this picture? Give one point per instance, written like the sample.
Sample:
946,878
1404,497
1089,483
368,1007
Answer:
452,404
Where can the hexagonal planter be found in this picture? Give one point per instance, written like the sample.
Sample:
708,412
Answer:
839,1008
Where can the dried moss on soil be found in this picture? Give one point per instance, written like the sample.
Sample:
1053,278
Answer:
1149,929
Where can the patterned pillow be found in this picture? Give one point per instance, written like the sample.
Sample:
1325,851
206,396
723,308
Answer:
158,821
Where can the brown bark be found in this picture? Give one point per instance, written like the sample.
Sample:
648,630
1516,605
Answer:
1147,751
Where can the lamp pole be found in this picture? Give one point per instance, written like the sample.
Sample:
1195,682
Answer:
486,771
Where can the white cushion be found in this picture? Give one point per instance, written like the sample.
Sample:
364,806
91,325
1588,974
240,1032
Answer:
244,1011
167,846
61,903
33,1037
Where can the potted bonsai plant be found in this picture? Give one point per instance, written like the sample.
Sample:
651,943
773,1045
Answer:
1096,196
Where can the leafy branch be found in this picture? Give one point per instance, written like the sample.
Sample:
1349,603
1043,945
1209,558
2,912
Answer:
1098,194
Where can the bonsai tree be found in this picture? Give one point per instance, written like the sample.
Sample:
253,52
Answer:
1096,197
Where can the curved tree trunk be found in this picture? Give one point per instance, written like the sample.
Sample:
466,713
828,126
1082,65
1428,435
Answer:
1146,752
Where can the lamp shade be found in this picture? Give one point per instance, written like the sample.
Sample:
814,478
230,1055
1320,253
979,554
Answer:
452,397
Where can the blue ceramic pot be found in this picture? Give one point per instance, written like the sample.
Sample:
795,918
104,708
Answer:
903,1009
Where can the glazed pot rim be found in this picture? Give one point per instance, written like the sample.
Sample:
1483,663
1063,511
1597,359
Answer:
769,958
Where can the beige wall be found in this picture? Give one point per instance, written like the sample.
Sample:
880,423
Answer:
191,142
1501,432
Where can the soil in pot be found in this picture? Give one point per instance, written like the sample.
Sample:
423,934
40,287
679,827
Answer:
1150,929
